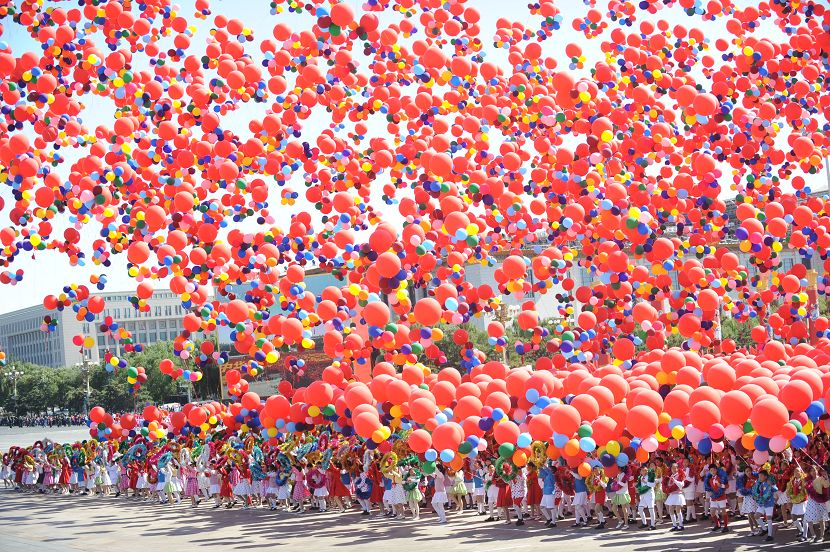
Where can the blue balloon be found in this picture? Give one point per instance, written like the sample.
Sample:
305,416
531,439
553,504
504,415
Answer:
532,395
761,443
815,410
447,455
606,460
473,440
586,444
704,445
440,418
498,414
524,440
431,455
799,441
622,459
559,440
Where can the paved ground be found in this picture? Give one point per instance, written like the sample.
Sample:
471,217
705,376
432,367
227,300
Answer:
38,523
25,436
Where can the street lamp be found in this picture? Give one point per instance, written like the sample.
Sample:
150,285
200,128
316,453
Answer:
14,375
84,368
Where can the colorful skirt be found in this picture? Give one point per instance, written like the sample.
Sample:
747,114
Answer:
749,505
815,512
300,492
191,487
619,499
415,495
459,489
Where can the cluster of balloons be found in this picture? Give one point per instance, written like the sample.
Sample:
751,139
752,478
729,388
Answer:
136,376
168,368
76,297
446,153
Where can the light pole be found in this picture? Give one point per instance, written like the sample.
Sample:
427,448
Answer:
14,375
83,366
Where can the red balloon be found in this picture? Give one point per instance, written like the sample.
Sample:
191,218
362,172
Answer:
250,401
735,407
641,421
427,311
704,415
419,441
768,416
506,432
565,420
96,414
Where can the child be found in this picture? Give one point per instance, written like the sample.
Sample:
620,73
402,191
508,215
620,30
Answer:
645,490
518,489
363,491
547,481
580,501
492,491
478,487
271,487
621,500
317,481
300,490
229,477
191,485
818,492
714,483
763,492
242,489
675,500
214,485
797,494
690,494
748,506
534,492
458,491
338,483
439,497
124,479
5,471
142,484
65,475
397,495
596,485
413,493
284,487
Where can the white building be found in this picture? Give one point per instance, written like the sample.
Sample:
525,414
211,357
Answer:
22,339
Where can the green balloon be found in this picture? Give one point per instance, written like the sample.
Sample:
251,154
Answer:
585,431
329,410
747,426
506,450
428,467
465,448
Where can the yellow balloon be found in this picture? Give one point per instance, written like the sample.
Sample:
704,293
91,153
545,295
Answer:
613,448
678,432
313,411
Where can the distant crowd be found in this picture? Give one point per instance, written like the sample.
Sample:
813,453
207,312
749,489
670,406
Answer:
55,420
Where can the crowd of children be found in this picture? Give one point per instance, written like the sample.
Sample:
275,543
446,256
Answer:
671,490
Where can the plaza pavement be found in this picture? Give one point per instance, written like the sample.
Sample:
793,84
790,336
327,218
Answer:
68,523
